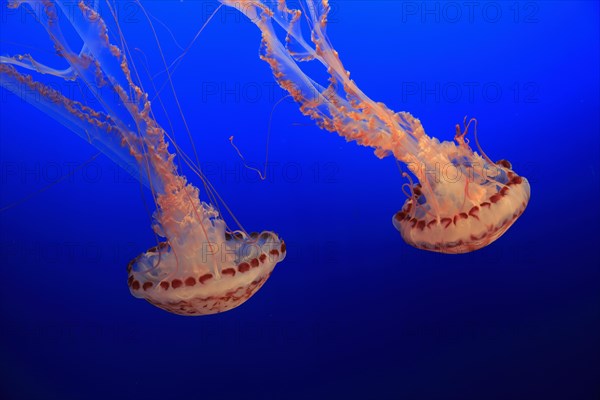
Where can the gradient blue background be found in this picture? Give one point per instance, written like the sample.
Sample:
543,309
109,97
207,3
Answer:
353,312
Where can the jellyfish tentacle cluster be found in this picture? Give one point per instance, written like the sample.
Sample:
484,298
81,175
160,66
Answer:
201,267
463,201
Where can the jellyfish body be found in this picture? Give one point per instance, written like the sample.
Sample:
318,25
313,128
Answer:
244,264
473,202
200,268
463,201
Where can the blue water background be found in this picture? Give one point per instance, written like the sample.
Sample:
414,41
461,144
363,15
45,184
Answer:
353,311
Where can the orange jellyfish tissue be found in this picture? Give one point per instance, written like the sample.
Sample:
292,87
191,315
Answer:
463,201
202,267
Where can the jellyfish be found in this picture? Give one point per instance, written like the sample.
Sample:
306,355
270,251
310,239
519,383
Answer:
462,200
199,266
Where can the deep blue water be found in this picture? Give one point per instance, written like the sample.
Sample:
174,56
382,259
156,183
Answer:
353,311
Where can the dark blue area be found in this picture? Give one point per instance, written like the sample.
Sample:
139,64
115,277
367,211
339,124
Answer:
353,312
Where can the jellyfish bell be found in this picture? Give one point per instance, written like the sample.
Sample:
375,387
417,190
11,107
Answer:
199,266
465,209
203,268
465,202
447,213
466,230
189,284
